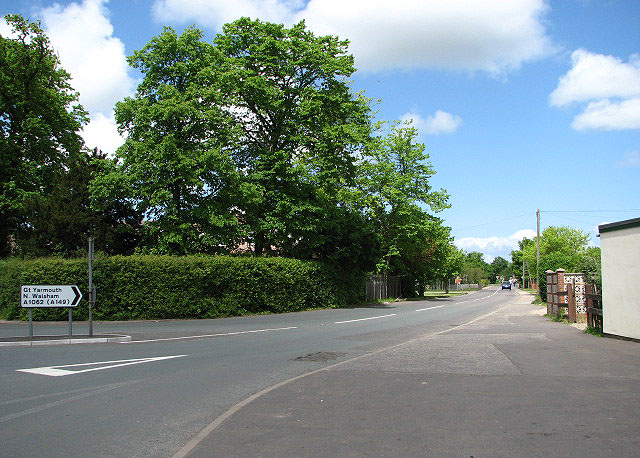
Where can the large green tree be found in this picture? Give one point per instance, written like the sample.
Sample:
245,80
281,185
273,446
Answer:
301,127
174,165
561,247
499,267
248,140
395,192
475,268
39,123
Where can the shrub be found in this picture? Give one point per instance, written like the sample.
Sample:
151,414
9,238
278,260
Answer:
166,287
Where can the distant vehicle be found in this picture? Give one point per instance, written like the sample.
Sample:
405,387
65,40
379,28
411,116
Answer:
506,285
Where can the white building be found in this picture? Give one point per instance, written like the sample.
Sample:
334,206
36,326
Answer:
620,244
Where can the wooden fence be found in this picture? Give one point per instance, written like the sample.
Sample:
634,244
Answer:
384,287
594,308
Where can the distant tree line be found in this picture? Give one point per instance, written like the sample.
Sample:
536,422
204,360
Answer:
253,144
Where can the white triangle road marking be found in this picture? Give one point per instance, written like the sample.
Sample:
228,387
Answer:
58,371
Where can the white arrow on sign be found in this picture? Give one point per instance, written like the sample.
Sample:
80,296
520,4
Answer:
49,296
58,371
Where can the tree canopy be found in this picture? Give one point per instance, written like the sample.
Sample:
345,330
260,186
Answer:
561,247
246,140
252,143
393,190
39,122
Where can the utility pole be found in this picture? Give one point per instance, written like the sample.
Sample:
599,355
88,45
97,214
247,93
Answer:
538,248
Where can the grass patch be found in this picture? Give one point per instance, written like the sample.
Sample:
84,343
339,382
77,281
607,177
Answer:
440,294
559,317
539,301
593,331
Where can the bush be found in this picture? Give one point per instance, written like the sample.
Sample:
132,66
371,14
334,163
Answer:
166,287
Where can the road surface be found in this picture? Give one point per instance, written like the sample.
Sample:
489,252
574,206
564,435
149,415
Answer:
166,392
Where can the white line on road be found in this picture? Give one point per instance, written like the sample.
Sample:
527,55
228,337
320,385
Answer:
56,371
479,298
365,319
210,335
431,308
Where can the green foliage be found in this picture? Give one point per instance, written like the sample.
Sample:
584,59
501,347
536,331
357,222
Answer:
164,287
61,221
475,268
559,317
39,122
393,190
561,248
253,141
590,264
499,267
173,167
594,331
250,139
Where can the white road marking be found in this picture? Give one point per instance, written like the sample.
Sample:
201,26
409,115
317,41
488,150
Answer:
210,335
478,299
56,371
431,308
365,319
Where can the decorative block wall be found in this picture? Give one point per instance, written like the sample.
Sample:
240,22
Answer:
559,282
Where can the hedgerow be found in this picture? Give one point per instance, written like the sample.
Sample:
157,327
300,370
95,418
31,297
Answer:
170,287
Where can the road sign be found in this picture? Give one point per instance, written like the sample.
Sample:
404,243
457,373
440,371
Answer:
49,296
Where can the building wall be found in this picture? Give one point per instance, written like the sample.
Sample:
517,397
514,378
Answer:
621,282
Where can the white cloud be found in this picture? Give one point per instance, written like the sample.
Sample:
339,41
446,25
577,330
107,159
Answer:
440,122
495,36
82,35
102,132
5,30
611,87
630,160
494,246
596,76
607,115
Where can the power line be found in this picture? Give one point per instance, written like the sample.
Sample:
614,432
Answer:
590,211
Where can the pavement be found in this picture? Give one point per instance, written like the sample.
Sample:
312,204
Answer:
509,384
26,341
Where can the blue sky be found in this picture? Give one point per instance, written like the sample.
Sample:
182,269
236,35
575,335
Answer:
522,104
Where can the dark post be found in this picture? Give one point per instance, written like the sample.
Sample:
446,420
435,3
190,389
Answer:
91,290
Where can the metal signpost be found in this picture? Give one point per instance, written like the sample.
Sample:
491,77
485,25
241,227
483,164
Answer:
92,289
32,296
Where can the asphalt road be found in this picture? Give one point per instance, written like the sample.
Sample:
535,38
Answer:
152,408
176,381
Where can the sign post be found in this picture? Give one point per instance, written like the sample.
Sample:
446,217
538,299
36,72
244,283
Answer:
32,296
92,293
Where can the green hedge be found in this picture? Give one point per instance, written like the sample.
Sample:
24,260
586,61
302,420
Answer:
166,287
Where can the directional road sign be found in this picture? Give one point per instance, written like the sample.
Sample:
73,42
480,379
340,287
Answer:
49,296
